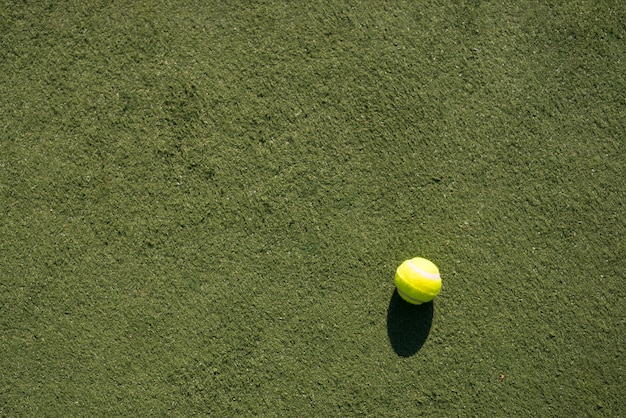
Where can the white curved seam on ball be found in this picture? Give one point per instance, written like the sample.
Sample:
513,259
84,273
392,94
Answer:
433,276
410,297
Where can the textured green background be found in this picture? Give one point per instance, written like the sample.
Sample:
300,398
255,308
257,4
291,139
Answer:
203,204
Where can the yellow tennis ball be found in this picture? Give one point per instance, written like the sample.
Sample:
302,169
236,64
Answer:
418,280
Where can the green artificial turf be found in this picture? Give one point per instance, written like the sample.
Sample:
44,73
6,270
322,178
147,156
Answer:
203,204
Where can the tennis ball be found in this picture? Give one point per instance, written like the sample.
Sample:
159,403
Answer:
418,280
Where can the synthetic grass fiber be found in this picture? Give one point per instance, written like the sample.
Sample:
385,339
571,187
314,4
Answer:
203,204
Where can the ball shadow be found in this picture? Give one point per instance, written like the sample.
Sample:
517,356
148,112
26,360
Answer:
408,325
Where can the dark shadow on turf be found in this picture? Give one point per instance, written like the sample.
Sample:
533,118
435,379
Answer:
408,325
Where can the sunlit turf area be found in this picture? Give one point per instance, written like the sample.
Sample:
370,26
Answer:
203,205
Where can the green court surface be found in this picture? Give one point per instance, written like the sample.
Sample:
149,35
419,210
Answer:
203,204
